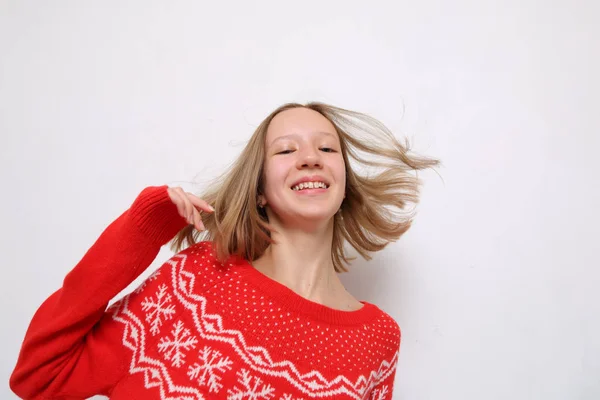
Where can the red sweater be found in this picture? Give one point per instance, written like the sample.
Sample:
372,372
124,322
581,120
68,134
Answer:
196,328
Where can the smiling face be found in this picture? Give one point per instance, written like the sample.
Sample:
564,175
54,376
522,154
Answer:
302,143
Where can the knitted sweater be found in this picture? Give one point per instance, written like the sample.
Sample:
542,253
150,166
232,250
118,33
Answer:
196,328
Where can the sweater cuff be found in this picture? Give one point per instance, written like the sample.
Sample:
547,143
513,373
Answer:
156,215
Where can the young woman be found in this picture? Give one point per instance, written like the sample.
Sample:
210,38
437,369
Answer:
252,307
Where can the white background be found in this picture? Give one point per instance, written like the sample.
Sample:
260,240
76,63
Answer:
495,286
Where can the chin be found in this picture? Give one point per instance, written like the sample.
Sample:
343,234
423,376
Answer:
317,215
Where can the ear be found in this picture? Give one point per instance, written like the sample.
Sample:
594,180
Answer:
261,201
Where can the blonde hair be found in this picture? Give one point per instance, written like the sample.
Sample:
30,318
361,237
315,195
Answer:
239,227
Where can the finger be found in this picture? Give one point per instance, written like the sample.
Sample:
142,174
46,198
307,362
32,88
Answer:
196,214
194,218
178,199
198,202
198,221
187,205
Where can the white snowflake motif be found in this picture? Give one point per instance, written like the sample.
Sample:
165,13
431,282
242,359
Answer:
206,372
159,309
173,348
380,394
248,391
152,277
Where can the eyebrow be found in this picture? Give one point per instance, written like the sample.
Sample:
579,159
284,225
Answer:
296,135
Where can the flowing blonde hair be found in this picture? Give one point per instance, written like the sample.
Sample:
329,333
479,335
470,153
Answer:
239,227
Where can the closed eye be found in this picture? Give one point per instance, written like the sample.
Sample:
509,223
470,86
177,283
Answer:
324,148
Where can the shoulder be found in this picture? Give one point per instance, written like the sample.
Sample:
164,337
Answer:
201,259
192,271
387,330
197,263
203,249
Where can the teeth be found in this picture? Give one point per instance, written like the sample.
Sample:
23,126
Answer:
310,185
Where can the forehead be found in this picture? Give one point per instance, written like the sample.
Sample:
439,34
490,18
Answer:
299,123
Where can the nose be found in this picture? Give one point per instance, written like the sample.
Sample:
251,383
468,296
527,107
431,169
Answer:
309,158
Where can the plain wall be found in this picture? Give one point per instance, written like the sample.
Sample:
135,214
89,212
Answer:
495,286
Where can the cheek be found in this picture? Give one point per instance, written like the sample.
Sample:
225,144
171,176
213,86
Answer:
340,172
275,174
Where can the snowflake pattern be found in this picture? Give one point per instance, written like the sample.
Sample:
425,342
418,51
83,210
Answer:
174,348
151,278
158,309
380,394
250,390
289,397
206,371
184,363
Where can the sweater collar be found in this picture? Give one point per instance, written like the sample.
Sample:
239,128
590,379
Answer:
291,300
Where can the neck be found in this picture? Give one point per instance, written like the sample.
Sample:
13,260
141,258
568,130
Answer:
303,263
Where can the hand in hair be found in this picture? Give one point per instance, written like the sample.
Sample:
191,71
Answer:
189,206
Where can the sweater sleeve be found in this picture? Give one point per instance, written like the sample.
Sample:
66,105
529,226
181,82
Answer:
384,390
69,352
